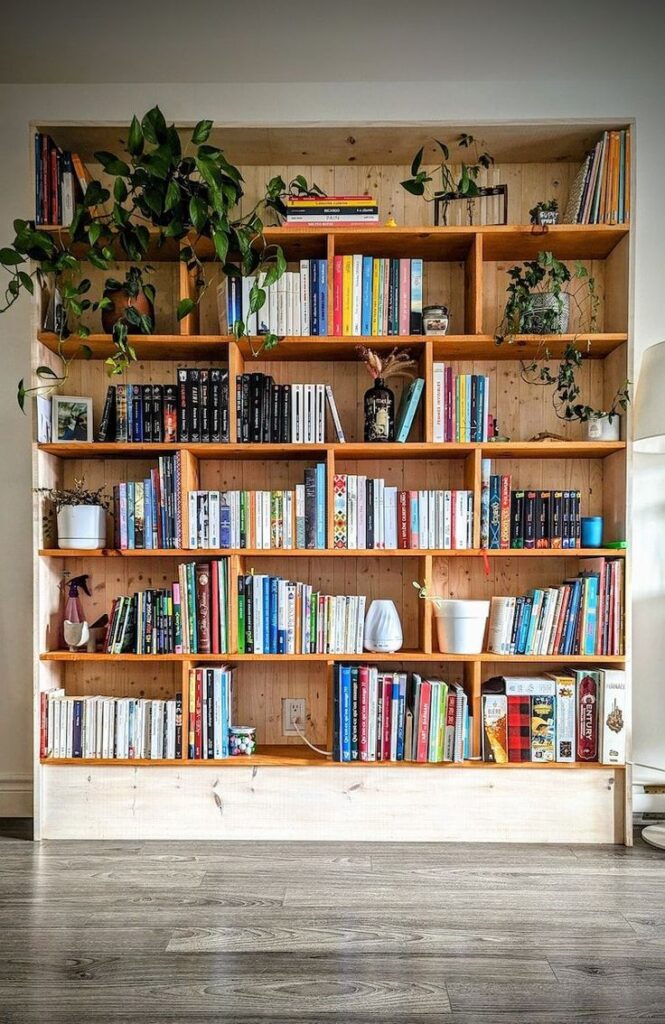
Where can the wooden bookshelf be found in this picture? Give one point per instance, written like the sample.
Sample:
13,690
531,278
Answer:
466,269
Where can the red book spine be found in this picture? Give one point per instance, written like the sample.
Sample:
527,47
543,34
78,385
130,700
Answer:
422,747
587,719
387,708
157,490
43,723
519,728
505,512
363,692
214,607
402,505
203,607
337,297
198,731
563,611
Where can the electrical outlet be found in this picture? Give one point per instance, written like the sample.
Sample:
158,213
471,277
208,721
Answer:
293,708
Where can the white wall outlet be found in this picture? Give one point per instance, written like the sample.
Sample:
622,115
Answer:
293,709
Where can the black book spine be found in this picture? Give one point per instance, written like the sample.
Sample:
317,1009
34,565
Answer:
106,430
543,519
530,519
267,386
170,417
178,725
183,420
204,378
394,294
310,508
556,519
246,408
565,520
275,394
210,709
147,412
369,504
215,405
194,396
256,407
249,614
286,414
224,406
137,412
240,405
157,413
576,518
517,519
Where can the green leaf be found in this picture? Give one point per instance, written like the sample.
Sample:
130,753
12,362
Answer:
119,190
94,231
45,371
135,139
26,281
10,258
198,213
112,164
416,188
172,195
202,132
86,351
97,260
154,126
20,395
149,292
185,307
417,160
444,149
221,243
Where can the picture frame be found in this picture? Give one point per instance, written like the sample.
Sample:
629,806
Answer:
44,419
72,419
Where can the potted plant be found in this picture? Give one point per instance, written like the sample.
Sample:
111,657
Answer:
460,625
379,401
545,213
80,515
161,195
465,186
131,302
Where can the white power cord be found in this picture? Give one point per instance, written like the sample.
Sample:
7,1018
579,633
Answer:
318,750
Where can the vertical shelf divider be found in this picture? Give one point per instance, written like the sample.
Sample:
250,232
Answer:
425,607
187,288
472,482
428,374
473,287
474,679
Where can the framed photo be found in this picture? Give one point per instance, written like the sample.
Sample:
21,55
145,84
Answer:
44,419
72,418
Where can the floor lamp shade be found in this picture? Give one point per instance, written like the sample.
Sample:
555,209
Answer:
649,419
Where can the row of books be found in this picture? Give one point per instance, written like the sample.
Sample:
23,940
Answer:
210,711
375,295
283,413
342,210
147,513
460,405
277,616
295,305
110,727
369,514
189,617
601,191
261,519
194,409
566,716
525,518
394,716
583,615
60,179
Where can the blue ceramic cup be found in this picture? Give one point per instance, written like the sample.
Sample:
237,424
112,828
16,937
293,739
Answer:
592,532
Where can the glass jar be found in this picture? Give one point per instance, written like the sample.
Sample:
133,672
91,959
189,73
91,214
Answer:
379,412
435,320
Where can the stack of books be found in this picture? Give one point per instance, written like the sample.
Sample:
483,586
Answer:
61,179
525,518
565,716
369,514
195,409
601,191
583,615
312,211
189,617
277,616
147,513
391,716
210,704
286,413
261,519
296,304
110,727
374,296
460,405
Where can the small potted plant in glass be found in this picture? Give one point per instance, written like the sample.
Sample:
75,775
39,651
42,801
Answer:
80,515
379,400
539,299
544,213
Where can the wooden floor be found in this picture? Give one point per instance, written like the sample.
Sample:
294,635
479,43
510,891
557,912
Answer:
166,933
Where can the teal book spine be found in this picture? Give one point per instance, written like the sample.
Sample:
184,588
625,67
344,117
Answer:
408,410
320,506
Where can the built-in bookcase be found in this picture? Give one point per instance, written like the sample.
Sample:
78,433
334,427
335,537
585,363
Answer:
465,268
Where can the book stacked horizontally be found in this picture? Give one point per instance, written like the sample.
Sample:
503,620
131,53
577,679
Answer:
314,210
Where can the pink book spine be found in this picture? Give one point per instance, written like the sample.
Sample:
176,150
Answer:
337,297
404,296
450,403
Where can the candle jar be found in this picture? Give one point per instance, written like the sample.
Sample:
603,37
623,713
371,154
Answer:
242,740
379,412
435,320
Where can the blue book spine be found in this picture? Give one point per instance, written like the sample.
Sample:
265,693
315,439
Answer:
571,618
481,415
77,730
322,293
224,724
320,514
591,622
346,713
536,608
495,512
520,647
154,516
225,526
266,613
314,296
366,309
147,513
273,648
467,731
398,698
131,509
413,399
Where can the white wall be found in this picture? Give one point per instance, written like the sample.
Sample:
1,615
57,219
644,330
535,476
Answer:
344,102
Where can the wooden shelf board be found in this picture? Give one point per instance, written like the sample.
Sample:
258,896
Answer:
450,347
368,656
351,451
330,553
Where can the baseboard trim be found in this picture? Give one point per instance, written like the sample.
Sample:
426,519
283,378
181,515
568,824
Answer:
15,795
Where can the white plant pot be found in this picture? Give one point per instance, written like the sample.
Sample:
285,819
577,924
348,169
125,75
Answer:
460,625
383,630
82,527
600,429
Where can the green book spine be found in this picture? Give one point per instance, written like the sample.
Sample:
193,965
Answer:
241,614
191,607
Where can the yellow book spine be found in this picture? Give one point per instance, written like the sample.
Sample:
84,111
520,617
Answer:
376,270
347,295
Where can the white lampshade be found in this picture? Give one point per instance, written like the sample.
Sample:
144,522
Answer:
649,417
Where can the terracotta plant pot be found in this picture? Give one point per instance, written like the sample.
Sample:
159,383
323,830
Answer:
120,302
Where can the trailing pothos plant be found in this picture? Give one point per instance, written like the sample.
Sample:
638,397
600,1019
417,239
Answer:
523,314
161,194
466,183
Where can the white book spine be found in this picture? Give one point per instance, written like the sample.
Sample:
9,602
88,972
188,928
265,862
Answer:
564,709
213,525
460,520
281,305
361,505
289,302
300,514
438,401
500,625
266,514
305,299
296,305
360,624
357,296
352,512
423,519
287,513
272,308
447,519
614,713
192,516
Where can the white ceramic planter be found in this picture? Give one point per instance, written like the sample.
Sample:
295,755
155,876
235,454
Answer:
460,625
82,527
600,429
383,630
